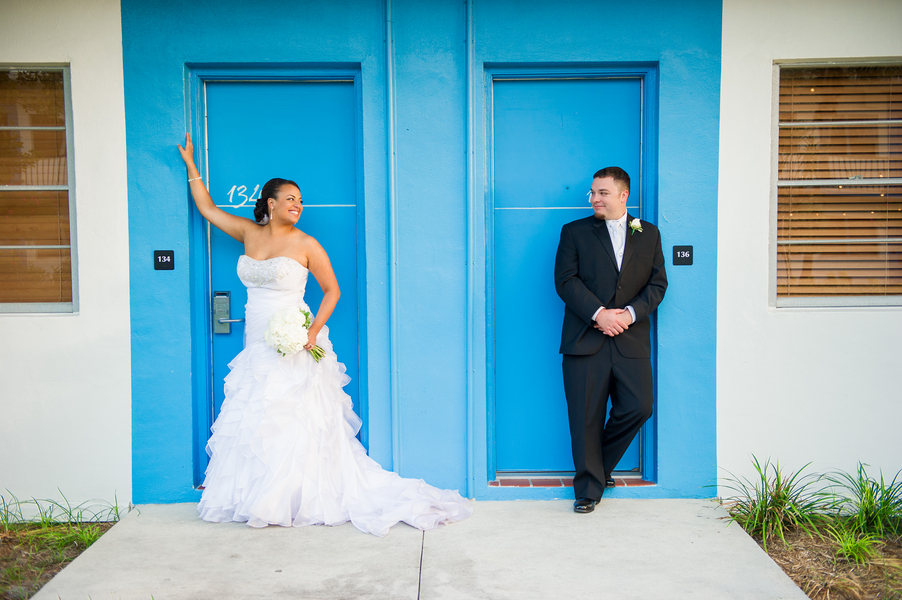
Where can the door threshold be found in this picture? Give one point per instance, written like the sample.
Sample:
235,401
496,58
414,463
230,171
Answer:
552,480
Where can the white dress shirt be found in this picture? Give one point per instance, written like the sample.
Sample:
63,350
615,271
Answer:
617,231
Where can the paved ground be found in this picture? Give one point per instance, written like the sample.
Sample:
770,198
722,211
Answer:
649,549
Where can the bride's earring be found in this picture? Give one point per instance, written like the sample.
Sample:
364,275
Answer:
270,212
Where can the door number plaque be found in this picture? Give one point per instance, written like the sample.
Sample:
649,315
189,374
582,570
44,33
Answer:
682,255
163,260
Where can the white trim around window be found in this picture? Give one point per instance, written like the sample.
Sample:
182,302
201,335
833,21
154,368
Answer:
50,307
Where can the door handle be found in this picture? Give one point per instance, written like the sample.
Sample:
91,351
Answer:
222,320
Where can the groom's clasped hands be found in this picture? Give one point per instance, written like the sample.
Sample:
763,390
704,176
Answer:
613,321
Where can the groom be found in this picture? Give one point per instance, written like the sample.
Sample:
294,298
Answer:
609,271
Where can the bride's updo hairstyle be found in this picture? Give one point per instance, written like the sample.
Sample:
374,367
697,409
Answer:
272,187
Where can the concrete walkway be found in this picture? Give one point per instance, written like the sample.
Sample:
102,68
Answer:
649,549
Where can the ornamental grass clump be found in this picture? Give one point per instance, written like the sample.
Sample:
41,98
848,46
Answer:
840,533
776,501
853,545
868,506
40,537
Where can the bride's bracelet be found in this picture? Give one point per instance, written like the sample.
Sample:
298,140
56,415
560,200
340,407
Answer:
195,179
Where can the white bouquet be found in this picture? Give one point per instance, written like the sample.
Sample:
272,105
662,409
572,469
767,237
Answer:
288,330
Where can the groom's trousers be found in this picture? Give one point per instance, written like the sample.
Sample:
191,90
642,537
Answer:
588,381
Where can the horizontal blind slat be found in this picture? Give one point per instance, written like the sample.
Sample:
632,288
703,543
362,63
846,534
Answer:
840,93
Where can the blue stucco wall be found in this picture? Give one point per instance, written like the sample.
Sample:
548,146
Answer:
683,41
159,40
424,213
430,91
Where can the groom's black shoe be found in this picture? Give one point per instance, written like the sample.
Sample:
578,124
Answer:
584,505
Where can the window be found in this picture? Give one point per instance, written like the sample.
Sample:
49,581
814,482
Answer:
839,186
37,266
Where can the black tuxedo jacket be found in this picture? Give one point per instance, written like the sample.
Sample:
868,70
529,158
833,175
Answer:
586,277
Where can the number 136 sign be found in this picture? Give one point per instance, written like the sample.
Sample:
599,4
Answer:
682,255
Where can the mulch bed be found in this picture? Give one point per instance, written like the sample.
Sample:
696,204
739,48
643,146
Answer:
30,555
812,564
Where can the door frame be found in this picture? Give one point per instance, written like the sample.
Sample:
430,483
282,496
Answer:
200,285
647,73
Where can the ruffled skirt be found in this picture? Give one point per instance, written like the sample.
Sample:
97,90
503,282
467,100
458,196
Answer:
284,452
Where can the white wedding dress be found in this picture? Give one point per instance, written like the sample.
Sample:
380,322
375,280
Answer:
283,449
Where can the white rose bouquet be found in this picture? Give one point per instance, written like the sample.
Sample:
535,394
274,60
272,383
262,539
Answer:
288,330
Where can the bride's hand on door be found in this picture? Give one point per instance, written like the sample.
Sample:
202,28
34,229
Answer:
233,225
188,155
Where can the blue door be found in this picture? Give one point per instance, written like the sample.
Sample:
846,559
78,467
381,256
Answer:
305,131
549,137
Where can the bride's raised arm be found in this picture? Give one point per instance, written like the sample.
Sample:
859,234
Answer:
233,225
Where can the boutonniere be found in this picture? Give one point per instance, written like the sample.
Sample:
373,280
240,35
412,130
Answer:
635,225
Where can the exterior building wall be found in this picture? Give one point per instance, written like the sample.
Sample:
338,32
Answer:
681,40
426,375
795,384
799,385
168,305
65,395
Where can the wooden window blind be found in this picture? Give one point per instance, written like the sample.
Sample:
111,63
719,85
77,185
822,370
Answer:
35,237
839,182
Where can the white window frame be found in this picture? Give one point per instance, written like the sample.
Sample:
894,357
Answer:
813,301
50,307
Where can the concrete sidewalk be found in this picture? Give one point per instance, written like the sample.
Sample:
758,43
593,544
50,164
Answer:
649,549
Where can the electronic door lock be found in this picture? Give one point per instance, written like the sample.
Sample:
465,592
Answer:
221,308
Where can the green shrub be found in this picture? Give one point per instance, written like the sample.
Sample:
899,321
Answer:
853,545
777,501
874,506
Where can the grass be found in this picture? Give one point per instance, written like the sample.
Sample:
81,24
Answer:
777,501
40,537
874,506
856,547
838,534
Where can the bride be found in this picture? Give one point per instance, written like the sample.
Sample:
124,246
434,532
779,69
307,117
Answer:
283,449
